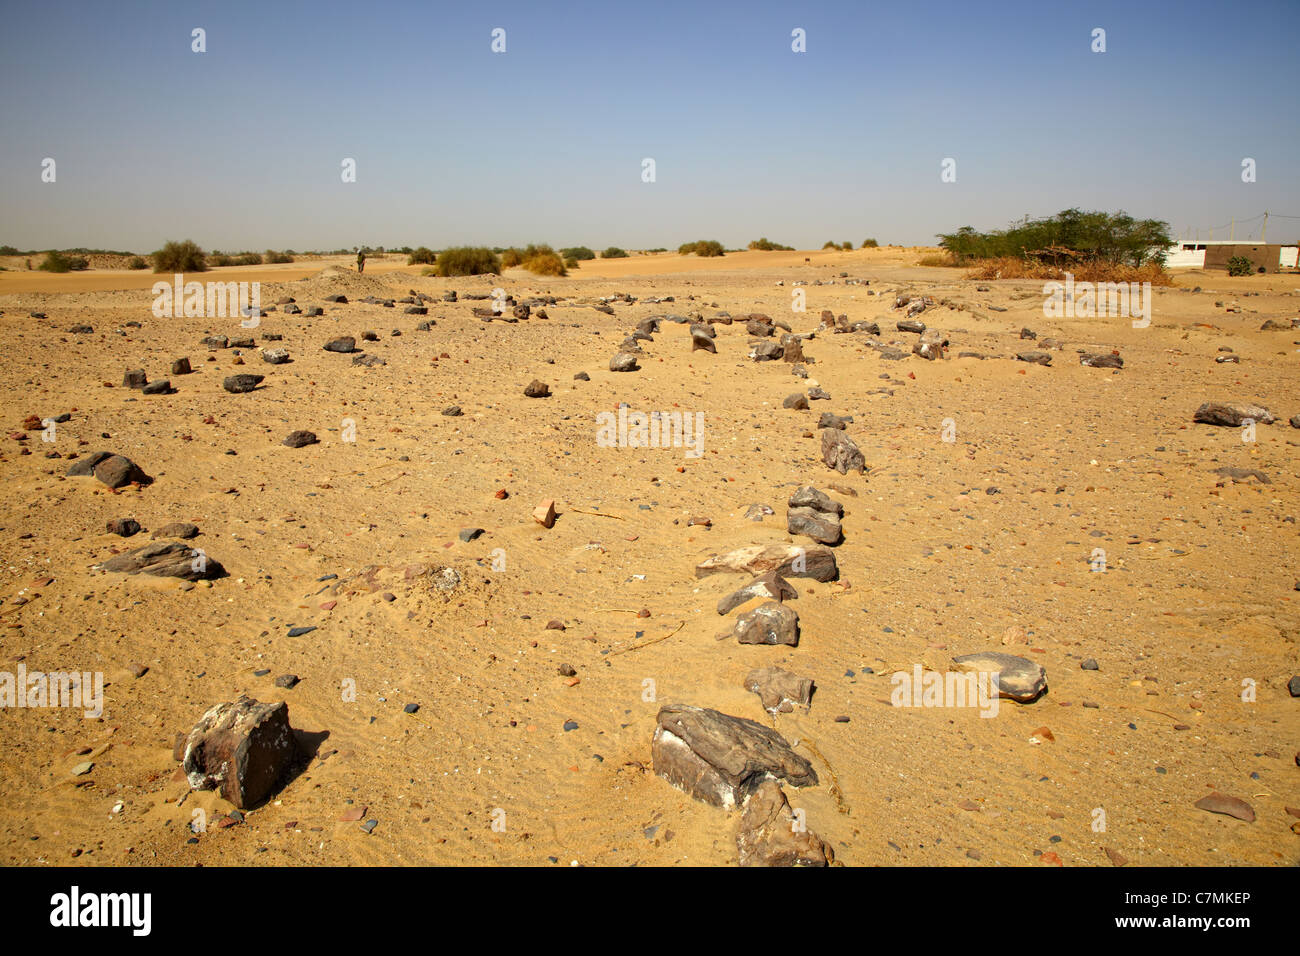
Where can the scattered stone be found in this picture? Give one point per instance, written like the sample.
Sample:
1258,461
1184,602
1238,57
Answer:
701,340
244,382
241,748
1232,415
767,351
537,389
469,534
818,525
623,362
1101,360
287,681
1242,474
368,361
544,513
810,497
275,356
841,452
169,559
830,420
177,529
451,411
160,387
124,527
300,438
181,366
582,377
770,585
1089,665
721,759
1019,679
1036,358
779,690
117,471
770,623
770,835
788,560
344,343
1229,806
798,401
135,378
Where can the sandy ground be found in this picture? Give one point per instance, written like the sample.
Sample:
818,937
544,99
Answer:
1198,595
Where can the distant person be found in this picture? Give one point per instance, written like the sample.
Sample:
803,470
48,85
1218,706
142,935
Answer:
361,262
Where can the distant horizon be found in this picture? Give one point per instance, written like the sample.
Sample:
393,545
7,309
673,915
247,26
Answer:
247,143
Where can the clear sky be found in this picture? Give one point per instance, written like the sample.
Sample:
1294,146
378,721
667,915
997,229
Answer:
241,147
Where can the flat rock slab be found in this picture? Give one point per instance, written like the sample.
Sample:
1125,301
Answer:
1230,806
241,748
113,470
770,586
1101,360
768,834
1019,679
1035,358
1232,414
299,438
344,343
810,497
721,759
166,559
787,560
779,690
770,623
244,382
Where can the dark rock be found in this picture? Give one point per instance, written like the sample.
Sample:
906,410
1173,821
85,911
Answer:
118,470
699,340
582,377
1028,334
771,835
125,527
368,361
768,351
770,586
177,529
300,438
215,342
416,310
287,681
344,343
721,759
134,378
244,382
1101,360
818,525
537,389
1036,358
1089,665
829,420
911,325
451,411
623,362
810,497
469,534
160,387
841,452
1232,414
1230,806
1242,474
770,623
164,559
181,366
798,401
242,748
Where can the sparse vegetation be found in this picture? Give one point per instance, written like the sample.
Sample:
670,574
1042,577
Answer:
581,253
545,264
941,259
423,256
614,252
701,247
468,261
1239,266
179,257
830,245
767,245
570,263
271,257
870,244
137,262
56,261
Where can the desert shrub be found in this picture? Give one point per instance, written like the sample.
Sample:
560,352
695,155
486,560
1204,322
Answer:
1239,266
468,261
179,257
9,251
1071,236
581,253
767,245
56,261
701,247
654,252
218,259
511,257
422,256
545,264
870,244
570,263
943,259
1015,267
830,245
137,262
271,257
248,259
614,252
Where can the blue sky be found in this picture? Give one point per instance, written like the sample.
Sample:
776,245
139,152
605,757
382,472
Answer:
241,146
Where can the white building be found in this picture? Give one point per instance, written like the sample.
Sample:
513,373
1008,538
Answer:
1190,253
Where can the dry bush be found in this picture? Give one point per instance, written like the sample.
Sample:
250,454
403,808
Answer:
1012,267
942,259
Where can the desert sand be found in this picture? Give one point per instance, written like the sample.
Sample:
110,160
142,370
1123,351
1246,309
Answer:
949,548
